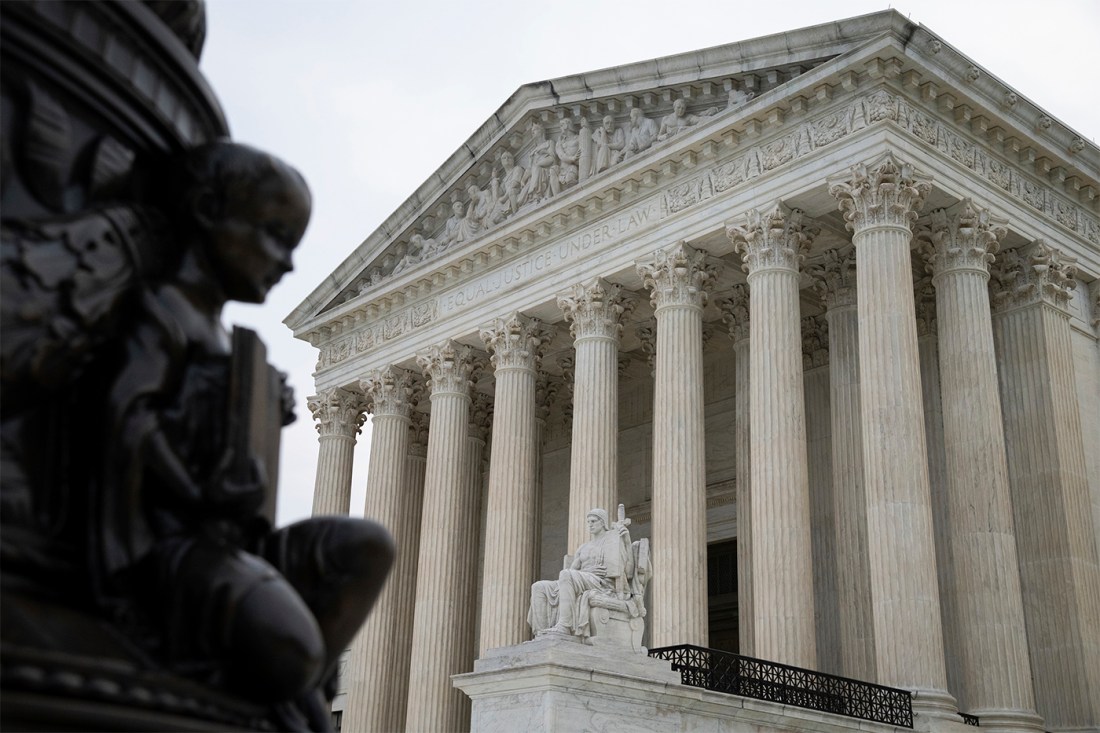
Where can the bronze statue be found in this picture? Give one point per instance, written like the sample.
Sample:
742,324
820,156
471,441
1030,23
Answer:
137,433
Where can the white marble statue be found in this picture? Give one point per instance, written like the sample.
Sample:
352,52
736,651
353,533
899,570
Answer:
568,150
542,170
511,183
642,133
738,98
679,120
598,598
610,143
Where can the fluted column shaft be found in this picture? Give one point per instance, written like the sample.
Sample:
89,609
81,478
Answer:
879,203
593,312
772,245
515,345
736,314
857,641
677,279
373,689
835,281
433,704
994,663
1059,571
340,414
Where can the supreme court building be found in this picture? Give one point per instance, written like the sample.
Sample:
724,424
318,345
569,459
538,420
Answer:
820,308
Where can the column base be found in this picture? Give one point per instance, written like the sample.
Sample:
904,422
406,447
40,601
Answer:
935,704
1009,720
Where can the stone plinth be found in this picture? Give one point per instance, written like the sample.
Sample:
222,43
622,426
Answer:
555,684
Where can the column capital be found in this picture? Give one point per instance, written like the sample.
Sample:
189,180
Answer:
735,312
418,434
338,411
834,278
516,342
885,193
647,334
774,240
962,238
594,310
449,367
924,297
815,342
391,391
481,417
1035,273
547,387
678,276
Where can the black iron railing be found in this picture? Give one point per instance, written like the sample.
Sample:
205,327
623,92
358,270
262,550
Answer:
969,719
737,675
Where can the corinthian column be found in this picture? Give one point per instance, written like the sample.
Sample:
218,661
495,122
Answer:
995,671
735,312
879,203
593,312
772,246
373,688
444,563
340,414
1059,571
677,279
835,282
515,346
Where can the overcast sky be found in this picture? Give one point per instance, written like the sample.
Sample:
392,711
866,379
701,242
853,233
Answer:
367,98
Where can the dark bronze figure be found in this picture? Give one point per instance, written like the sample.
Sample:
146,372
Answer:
144,586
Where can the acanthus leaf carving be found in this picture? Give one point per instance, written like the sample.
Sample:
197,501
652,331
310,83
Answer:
678,276
815,342
834,278
1037,274
887,192
450,367
735,312
391,391
777,239
338,412
516,342
964,237
595,310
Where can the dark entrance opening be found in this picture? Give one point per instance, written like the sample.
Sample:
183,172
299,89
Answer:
722,595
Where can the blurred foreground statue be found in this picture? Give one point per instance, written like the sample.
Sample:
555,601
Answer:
144,587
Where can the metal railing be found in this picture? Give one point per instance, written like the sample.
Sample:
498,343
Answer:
756,678
969,719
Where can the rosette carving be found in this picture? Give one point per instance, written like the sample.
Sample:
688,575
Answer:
963,238
834,278
449,367
338,412
594,310
735,312
776,239
517,342
391,391
885,193
1037,274
679,275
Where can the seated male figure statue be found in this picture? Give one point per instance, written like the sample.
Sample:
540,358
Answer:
599,597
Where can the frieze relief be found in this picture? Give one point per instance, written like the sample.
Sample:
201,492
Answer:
518,187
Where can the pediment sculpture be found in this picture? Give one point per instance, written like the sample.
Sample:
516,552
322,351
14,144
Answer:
599,597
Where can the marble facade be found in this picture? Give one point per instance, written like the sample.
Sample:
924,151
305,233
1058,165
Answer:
843,310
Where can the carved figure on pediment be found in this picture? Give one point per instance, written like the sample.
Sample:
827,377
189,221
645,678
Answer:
542,170
642,133
599,598
679,120
419,250
568,150
739,98
610,142
484,208
461,226
584,141
511,184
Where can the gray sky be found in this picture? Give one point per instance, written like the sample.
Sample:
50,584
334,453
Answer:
368,98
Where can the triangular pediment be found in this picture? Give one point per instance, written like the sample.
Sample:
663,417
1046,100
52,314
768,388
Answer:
554,142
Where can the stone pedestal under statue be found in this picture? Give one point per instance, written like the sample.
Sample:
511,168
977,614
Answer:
556,683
